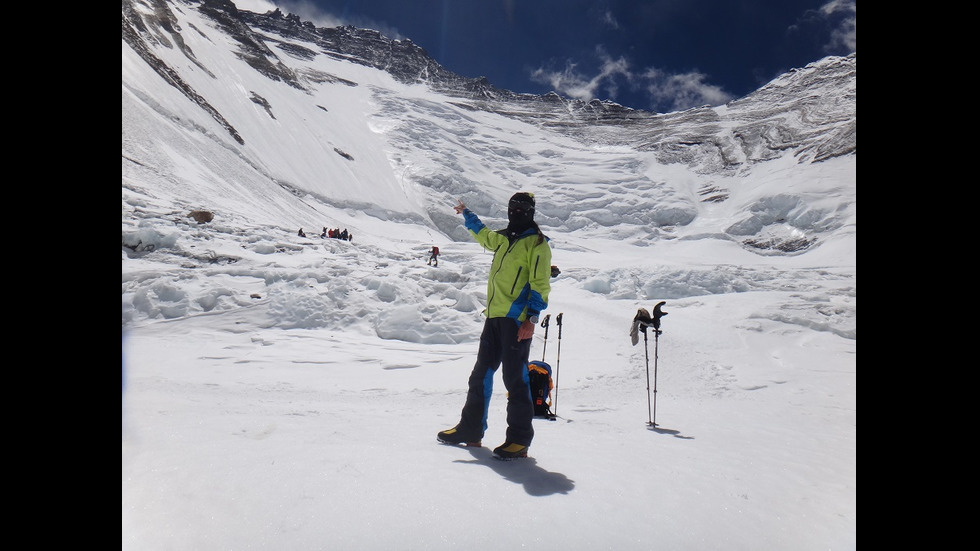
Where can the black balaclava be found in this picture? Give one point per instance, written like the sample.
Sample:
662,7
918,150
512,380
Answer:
520,213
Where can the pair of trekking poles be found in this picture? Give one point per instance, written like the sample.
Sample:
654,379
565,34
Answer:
545,323
641,322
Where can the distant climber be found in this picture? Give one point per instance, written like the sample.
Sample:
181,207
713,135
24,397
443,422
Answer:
434,257
301,234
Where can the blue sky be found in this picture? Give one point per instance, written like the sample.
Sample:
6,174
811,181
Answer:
656,55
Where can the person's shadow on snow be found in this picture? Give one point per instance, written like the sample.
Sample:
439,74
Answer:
536,481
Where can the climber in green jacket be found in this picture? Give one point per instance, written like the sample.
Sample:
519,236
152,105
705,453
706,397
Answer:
517,292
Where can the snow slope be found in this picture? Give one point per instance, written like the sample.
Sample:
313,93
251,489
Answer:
282,392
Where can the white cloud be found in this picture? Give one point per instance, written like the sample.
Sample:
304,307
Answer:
609,20
837,18
682,91
575,84
844,35
666,91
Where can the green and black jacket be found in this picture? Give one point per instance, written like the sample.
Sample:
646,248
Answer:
520,274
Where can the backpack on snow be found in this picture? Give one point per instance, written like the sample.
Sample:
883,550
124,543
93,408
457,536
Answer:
539,379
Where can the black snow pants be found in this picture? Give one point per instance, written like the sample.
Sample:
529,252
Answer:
499,346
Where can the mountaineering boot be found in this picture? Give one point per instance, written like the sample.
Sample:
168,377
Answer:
510,450
453,436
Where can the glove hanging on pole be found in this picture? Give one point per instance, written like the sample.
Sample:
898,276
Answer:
641,320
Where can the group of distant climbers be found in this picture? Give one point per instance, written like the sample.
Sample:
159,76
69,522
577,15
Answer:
335,233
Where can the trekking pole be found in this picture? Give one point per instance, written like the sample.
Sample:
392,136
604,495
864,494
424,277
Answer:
640,322
544,323
657,314
557,361
656,341
646,354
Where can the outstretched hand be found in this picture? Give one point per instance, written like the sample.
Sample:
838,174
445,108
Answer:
460,207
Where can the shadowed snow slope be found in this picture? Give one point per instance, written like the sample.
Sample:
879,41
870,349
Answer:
283,392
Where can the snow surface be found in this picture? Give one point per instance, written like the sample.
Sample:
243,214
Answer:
282,392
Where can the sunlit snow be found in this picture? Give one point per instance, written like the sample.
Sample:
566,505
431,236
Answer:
282,392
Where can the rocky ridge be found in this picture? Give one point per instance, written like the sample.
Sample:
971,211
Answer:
811,111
